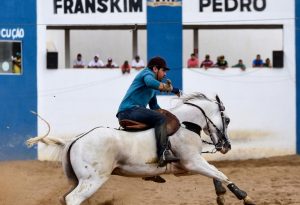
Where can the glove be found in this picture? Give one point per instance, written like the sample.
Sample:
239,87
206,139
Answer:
176,91
169,82
167,87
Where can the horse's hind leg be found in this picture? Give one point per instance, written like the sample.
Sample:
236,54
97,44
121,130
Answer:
85,189
73,186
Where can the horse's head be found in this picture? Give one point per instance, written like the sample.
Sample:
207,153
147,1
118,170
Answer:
217,128
214,121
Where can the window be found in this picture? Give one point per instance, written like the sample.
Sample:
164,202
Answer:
11,57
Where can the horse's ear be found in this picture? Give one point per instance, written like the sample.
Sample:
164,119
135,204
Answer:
218,99
221,106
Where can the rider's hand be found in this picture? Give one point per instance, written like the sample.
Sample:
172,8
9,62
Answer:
169,82
166,87
176,91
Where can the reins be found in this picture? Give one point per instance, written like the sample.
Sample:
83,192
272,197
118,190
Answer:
206,118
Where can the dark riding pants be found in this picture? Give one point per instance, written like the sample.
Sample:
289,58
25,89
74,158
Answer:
152,119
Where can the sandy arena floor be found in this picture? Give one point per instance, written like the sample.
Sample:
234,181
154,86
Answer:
268,181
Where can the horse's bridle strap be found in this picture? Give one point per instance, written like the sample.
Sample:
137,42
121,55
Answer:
206,118
209,120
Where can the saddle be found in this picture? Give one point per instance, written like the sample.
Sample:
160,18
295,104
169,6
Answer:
173,123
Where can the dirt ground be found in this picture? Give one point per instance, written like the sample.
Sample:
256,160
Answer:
268,181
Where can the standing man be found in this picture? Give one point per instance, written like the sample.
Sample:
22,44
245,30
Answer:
142,93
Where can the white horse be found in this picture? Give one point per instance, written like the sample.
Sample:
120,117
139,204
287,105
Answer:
92,158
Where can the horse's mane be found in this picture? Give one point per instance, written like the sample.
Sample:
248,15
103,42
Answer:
194,96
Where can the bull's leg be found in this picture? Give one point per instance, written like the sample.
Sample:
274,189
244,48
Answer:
85,188
199,165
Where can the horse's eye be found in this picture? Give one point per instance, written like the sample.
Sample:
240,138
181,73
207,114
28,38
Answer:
227,120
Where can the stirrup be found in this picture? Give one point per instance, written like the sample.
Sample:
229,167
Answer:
163,161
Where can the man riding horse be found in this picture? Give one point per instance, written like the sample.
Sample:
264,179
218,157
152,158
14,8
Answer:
142,92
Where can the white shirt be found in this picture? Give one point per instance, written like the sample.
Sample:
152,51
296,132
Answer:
78,63
137,64
113,64
93,63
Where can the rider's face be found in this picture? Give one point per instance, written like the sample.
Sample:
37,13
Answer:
161,73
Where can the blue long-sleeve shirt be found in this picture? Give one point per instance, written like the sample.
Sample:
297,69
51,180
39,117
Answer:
141,91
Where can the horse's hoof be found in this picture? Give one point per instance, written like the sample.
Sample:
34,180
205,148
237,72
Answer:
220,200
248,201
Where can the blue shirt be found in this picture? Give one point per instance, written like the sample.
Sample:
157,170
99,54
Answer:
141,92
257,62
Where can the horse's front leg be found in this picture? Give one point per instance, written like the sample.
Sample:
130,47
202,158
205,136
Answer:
199,165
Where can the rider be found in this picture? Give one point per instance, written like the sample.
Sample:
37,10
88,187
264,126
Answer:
142,92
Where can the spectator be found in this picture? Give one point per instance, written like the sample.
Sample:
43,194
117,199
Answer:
240,65
111,64
267,64
17,64
207,63
221,63
125,68
257,62
137,63
78,62
96,62
193,62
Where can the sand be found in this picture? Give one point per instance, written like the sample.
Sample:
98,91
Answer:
269,181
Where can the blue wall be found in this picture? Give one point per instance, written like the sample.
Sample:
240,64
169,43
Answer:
164,38
18,93
297,20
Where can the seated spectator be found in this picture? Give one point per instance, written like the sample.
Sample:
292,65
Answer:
221,63
96,62
257,62
137,63
78,62
207,63
125,68
193,62
240,65
267,64
111,64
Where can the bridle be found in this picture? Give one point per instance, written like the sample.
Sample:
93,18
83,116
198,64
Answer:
221,140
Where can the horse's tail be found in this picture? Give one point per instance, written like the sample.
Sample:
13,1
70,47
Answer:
45,139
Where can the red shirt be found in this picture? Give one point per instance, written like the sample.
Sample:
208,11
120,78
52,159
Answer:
207,64
193,63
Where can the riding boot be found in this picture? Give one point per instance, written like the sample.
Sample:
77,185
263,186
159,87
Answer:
163,152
